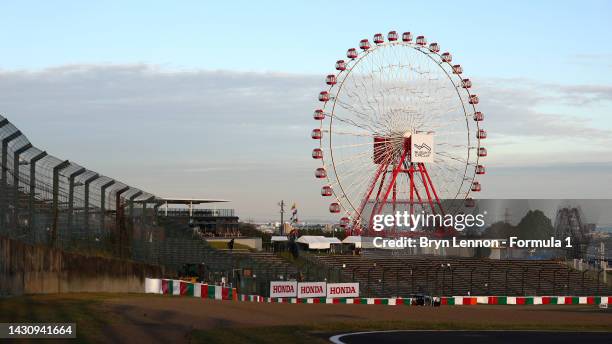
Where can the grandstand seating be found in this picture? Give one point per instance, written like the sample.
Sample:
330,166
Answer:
386,276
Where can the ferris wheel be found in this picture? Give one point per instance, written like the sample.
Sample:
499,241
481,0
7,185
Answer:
398,131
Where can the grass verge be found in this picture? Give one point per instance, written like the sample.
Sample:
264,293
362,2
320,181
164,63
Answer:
82,309
320,333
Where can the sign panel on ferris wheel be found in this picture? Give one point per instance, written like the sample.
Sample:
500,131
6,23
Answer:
399,130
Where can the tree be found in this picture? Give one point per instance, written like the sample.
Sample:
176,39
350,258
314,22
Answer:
535,225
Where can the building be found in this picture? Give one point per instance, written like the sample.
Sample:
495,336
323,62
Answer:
209,222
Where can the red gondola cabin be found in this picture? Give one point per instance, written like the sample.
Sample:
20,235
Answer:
476,186
446,57
340,65
364,44
324,96
326,191
351,53
330,79
379,38
320,173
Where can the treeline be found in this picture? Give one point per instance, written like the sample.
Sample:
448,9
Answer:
534,225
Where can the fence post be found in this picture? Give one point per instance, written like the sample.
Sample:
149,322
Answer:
86,204
103,204
71,186
55,207
16,176
4,185
507,271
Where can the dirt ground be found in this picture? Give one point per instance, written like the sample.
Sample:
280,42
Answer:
168,318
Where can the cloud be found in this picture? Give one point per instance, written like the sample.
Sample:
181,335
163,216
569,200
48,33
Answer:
514,106
245,136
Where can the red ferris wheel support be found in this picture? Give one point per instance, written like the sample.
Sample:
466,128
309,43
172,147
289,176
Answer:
385,182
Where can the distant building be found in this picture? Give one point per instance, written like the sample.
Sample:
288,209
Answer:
211,222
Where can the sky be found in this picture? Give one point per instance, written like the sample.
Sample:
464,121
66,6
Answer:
214,99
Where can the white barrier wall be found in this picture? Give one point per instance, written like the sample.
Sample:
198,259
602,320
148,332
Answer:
153,286
283,289
312,289
342,290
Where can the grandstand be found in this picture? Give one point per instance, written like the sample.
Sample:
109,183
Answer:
386,276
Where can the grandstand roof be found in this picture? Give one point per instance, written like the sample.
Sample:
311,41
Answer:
353,239
317,242
178,200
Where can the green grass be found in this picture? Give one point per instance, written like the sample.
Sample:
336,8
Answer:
320,333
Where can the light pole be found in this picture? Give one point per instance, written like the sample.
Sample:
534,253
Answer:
471,280
369,274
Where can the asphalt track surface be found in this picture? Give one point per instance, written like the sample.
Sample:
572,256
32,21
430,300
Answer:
473,337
